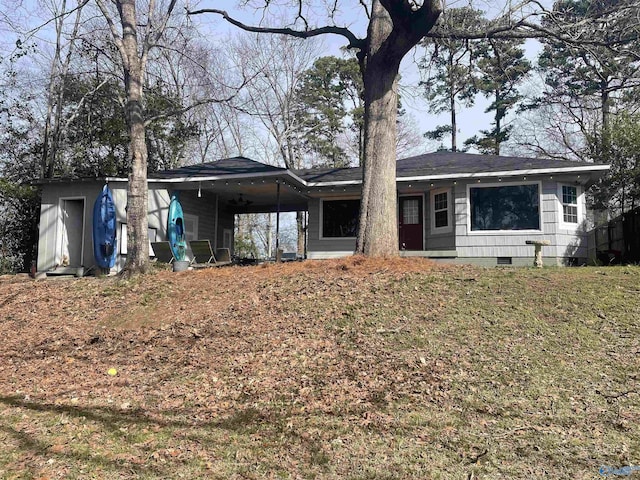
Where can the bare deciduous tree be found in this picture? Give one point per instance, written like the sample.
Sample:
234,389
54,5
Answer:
272,95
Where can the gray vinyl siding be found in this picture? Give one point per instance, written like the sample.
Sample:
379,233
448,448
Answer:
205,209
439,241
226,221
323,248
506,244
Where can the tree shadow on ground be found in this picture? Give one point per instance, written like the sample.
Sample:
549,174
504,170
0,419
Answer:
246,421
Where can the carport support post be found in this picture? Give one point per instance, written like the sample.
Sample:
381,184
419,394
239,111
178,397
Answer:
278,256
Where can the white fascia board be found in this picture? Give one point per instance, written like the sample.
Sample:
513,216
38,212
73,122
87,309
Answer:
507,173
214,178
333,184
302,182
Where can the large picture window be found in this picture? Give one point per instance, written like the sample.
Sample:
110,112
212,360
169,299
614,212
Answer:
340,218
505,207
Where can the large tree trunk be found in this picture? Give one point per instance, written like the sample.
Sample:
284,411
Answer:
378,226
395,27
137,195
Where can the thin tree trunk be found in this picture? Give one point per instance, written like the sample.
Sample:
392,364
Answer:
269,236
49,148
452,107
137,195
300,228
53,130
605,147
454,125
498,117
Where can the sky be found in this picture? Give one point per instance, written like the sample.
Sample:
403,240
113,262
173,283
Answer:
470,120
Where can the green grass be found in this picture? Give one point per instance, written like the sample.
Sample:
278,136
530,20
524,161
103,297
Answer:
451,373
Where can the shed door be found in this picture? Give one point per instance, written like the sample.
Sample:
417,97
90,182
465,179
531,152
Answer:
72,230
411,224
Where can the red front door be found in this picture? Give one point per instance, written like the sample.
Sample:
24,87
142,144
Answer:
410,227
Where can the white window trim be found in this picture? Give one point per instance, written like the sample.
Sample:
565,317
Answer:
504,232
321,229
152,233
194,219
60,227
580,202
432,211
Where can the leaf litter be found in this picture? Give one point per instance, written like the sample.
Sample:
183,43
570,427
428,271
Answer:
350,368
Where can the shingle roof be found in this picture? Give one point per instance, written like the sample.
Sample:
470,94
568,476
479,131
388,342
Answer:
445,163
228,166
429,165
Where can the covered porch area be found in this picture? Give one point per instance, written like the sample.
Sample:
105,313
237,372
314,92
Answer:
213,195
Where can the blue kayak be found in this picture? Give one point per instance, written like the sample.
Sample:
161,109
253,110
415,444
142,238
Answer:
104,229
175,228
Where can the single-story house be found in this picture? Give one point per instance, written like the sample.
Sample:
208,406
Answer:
457,207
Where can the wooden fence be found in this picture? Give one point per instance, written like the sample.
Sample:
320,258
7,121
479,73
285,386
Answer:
618,241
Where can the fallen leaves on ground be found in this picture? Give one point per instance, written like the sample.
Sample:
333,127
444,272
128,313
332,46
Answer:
392,368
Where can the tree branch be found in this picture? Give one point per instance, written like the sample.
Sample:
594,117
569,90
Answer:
523,29
180,111
117,39
75,114
354,42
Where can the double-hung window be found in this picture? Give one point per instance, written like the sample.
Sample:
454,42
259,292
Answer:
569,200
440,211
190,227
569,204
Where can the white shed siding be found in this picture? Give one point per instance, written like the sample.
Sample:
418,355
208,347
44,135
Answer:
48,226
158,213
49,254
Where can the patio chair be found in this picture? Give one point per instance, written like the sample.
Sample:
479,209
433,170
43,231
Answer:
224,255
203,255
162,252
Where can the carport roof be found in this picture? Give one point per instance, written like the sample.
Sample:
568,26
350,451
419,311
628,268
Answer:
220,168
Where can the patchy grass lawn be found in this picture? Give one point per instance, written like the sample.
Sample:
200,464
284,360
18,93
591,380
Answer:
349,369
